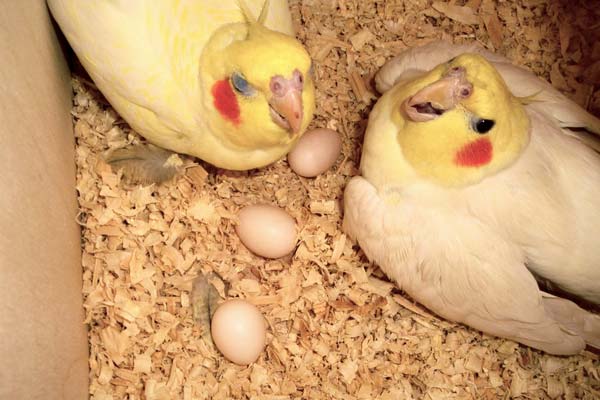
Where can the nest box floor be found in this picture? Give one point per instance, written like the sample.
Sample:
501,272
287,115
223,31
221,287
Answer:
337,328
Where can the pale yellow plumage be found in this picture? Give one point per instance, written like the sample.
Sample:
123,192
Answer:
156,62
464,248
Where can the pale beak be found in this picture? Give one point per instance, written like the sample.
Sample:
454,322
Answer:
286,102
286,111
440,96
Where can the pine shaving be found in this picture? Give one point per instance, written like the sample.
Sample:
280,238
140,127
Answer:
337,328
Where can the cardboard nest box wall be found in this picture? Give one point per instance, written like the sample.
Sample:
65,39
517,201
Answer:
43,341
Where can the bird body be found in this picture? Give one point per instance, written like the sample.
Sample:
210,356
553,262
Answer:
461,225
197,77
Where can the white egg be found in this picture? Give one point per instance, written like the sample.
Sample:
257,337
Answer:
316,151
267,231
239,331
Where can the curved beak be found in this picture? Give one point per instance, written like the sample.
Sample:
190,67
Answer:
286,111
286,102
440,96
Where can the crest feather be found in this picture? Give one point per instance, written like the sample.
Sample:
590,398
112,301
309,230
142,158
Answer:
250,19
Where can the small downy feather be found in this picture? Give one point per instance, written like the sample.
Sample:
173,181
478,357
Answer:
205,299
145,164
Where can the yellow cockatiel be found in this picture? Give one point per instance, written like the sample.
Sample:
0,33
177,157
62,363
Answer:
222,80
467,191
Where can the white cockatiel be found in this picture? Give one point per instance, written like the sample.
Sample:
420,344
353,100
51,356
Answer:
467,188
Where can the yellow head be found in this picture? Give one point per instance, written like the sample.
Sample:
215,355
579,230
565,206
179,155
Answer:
258,88
454,126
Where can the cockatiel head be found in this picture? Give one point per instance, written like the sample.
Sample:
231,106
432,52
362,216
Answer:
453,126
258,87
205,78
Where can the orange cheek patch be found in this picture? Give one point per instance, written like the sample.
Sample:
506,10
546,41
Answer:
475,154
225,101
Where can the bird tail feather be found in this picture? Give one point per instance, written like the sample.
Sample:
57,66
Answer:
574,318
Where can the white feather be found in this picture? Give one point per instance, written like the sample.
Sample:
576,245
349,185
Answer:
466,253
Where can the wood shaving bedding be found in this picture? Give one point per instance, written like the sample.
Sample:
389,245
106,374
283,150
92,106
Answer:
338,329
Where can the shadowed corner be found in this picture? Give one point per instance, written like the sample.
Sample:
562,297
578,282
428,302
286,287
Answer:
579,40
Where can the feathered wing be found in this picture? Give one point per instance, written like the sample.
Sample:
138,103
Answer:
458,268
107,37
520,81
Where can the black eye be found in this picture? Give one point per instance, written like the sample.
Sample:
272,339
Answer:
483,125
241,85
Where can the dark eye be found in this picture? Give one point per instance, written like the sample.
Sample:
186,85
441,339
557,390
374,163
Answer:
298,78
241,85
483,125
